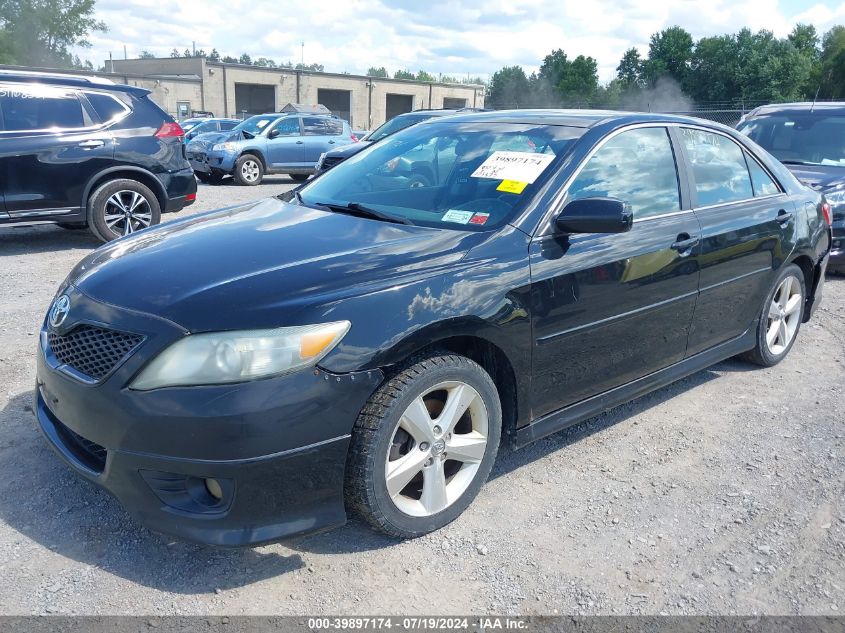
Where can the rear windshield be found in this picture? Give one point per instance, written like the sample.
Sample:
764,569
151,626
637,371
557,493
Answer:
469,176
800,139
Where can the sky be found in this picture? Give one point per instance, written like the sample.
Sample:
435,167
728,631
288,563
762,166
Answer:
452,37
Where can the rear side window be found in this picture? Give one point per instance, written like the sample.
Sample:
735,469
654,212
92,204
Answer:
227,125
718,167
107,107
315,126
761,181
31,108
637,167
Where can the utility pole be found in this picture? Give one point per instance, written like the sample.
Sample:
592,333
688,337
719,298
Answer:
124,52
194,48
303,54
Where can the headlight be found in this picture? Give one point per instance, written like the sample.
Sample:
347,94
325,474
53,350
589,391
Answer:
225,357
222,147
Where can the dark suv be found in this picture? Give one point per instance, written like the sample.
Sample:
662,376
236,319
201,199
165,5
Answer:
809,138
82,151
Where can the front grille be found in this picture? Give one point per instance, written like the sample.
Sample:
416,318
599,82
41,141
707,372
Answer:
330,161
92,351
89,453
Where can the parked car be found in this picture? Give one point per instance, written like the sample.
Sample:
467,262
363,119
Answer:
368,345
207,125
277,143
78,151
334,156
810,140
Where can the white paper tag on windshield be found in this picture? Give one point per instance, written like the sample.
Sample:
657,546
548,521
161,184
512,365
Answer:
457,216
519,166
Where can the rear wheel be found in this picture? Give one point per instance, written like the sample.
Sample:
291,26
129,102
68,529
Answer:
423,446
249,170
299,177
122,207
780,318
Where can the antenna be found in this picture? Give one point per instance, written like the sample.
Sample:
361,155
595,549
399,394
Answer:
816,97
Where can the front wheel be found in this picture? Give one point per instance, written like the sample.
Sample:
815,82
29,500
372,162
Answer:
423,446
249,170
122,207
780,318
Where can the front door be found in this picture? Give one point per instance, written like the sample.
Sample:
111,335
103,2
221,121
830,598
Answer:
607,309
747,228
285,144
50,147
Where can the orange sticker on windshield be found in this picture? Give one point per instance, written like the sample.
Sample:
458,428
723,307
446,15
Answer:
511,186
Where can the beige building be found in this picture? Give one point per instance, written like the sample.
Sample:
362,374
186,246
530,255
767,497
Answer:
185,85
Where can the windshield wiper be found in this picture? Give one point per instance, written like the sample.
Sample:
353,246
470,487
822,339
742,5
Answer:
797,162
359,210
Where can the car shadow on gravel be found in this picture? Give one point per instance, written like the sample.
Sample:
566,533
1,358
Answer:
45,502
44,238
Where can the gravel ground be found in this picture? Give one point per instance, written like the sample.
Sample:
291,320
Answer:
721,494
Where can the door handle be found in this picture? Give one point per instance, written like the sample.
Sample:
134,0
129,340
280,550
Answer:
784,216
91,144
331,142
300,142
685,244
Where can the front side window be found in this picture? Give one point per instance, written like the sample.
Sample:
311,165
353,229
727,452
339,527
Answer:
31,108
637,167
800,139
470,176
760,180
718,167
289,126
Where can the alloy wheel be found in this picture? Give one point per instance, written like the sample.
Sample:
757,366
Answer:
126,212
436,449
250,170
784,315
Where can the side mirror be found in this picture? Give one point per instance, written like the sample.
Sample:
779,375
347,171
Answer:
595,215
273,134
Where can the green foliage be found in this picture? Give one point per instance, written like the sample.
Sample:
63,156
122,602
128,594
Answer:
245,59
146,55
175,53
228,59
40,32
425,76
264,62
669,54
214,56
630,68
377,72
570,81
508,88
832,64
317,68
404,74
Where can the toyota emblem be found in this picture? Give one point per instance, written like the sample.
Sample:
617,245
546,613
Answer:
58,313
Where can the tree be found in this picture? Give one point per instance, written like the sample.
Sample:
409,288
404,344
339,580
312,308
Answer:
447,79
317,68
265,62
377,72
145,54
630,68
175,53
572,82
805,39
187,53
40,32
245,59
404,74
508,88
832,71
228,59
669,53
425,76
200,53
214,56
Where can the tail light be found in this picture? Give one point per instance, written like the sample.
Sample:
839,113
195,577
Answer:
170,130
826,213
354,138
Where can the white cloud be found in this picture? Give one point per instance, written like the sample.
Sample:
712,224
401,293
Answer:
442,36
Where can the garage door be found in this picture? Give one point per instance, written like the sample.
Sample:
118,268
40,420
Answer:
398,104
338,101
254,99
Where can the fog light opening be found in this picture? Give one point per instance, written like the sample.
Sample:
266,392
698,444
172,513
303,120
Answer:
214,489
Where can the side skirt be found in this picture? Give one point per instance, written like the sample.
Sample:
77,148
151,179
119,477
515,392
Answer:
591,407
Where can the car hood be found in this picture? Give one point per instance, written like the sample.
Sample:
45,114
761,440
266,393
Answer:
348,150
260,265
206,140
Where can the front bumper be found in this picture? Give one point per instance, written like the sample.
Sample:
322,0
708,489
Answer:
277,447
210,162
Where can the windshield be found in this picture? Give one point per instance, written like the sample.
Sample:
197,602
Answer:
254,125
804,139
394,125
449,174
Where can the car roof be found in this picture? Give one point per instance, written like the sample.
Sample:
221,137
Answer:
806,107
68,80
581,118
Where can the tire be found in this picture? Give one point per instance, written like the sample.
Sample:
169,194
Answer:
780,318
108,203
71,227
418,180
249,170
424,387
209,179
299,177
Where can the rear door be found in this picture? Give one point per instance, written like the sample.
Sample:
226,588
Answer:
285,144
607,309
320,135
747,231
51,145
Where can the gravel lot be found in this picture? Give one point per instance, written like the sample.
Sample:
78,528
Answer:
721,494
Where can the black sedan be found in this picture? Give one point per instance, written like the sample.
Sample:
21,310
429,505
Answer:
369,345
